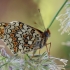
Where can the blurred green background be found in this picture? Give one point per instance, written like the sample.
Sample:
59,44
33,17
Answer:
27,11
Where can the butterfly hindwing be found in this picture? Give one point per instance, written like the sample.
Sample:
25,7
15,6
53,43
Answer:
22,37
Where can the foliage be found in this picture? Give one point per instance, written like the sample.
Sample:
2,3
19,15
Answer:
38,62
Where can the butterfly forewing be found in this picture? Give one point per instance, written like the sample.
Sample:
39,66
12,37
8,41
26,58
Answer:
36,20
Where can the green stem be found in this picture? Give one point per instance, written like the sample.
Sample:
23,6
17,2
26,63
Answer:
57,13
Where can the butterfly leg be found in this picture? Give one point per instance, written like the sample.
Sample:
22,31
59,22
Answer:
34,51
39,51
48,49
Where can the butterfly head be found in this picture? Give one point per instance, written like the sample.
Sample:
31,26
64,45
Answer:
47,33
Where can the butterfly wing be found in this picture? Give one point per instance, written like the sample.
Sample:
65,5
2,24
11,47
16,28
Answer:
33,16
22,37
24,11
27,11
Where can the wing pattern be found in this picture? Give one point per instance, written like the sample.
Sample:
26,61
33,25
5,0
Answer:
22,37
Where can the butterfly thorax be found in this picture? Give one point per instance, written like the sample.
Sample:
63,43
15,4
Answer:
44,38
45,35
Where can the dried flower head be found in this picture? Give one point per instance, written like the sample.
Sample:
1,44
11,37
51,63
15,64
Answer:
65,20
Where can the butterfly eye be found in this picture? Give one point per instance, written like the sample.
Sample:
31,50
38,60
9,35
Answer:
47,34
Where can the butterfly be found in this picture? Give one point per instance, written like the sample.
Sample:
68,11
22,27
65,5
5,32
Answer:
22,37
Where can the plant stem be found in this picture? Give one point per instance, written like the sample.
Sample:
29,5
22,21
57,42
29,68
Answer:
57,13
